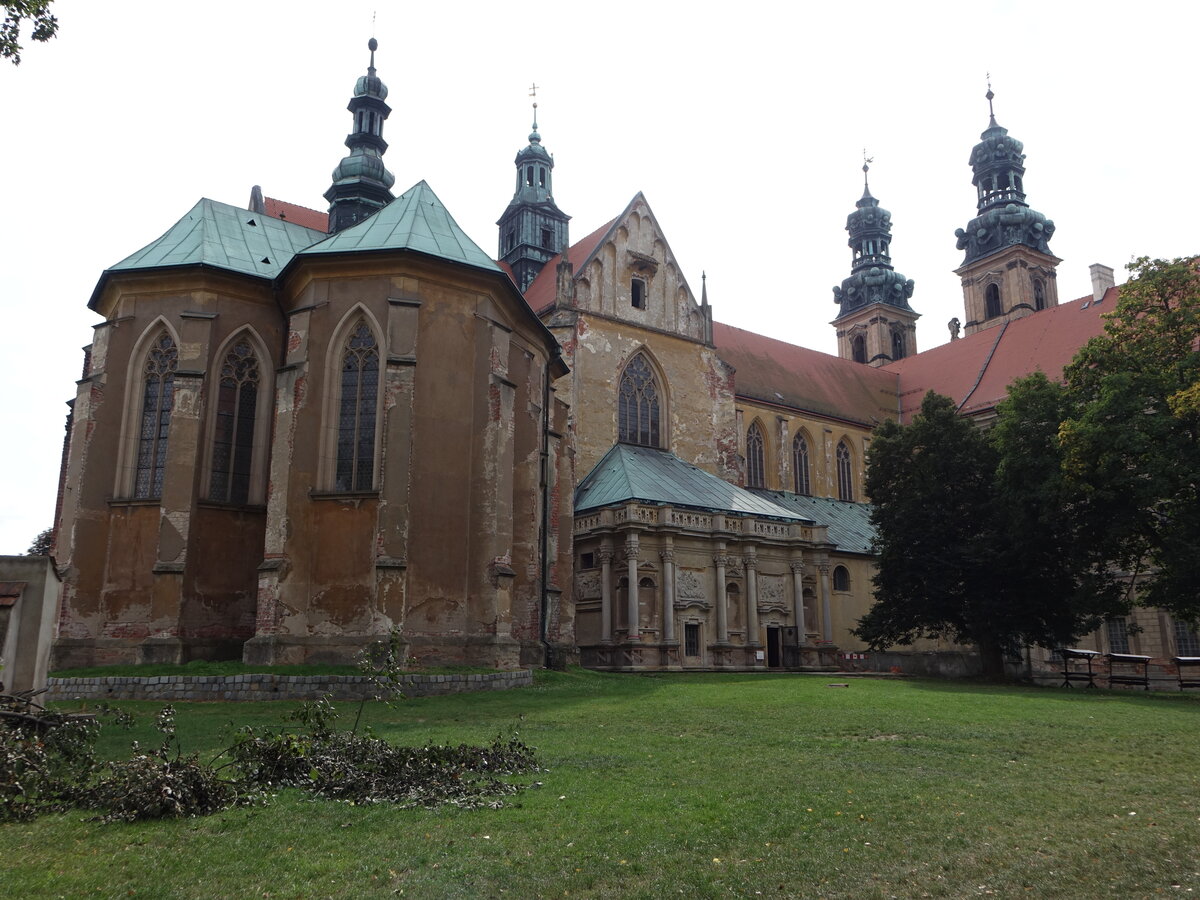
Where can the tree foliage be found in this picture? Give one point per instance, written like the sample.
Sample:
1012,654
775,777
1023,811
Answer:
976,532
16,13
1132,442
42,543
929,483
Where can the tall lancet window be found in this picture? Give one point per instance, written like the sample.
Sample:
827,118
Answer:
233,440
897,345
754,457
157,400
800,465
638,405
845,475
357,411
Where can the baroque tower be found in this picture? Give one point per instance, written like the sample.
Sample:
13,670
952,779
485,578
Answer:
533,230
1008,271
875,324
361,182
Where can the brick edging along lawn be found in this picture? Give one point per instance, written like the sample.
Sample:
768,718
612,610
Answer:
273,687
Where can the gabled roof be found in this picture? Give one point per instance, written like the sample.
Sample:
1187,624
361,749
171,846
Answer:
655,476
975,371
224,237
849,524
544,288
298,215
416,220
783,374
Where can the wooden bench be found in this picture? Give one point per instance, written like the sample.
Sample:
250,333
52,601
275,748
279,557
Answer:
1187,662
1071,658
1130,669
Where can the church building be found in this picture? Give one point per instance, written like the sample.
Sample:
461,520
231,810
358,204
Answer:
298,432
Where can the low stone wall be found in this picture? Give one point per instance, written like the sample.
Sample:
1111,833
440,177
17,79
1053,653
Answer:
170,688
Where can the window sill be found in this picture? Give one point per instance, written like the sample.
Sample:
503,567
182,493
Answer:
233,507
343,495
135,501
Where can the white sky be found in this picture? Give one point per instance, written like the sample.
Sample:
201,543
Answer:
744,124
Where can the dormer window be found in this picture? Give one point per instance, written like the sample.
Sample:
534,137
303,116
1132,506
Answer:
637,293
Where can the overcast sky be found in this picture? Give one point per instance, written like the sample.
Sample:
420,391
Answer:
743,123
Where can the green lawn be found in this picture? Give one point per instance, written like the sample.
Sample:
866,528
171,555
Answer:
700,786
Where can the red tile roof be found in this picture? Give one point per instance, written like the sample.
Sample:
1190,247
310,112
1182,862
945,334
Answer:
298,215
976,371
783,374
544,288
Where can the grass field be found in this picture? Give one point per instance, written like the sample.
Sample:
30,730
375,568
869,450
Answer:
700,786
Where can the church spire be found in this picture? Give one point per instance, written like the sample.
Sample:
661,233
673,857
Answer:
873,283
1008,270
532,229
361,182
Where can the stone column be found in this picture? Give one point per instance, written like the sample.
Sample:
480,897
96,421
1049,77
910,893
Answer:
750,561
631,595
668,590
826,617
798,600
606,611
721,561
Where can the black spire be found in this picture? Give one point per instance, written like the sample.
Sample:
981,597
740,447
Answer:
361,182
872,278
533,230
1004,219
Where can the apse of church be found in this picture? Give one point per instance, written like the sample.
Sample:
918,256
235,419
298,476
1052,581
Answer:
289,443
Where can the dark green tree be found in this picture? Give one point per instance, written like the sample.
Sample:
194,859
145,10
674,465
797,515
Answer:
930,486
1051,584
42,543
17,12
1132,444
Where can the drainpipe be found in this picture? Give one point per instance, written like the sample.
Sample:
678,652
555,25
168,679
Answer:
544,543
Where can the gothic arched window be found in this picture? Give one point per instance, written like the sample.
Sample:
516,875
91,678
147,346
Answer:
897,345
858,349
754,457
800,465
992,301
157,401
845,475
638,405
233,437
357,411
841,578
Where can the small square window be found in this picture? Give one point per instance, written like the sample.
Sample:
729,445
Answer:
587,560
637,293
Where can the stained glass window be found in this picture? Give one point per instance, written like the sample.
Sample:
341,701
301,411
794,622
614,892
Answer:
157,399
754,457
844,474
357,411
638,406
233,441
800,465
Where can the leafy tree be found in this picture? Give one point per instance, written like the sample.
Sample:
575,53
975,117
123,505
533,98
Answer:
45,26
1132,445
930,486
1051,584
976,531
42,543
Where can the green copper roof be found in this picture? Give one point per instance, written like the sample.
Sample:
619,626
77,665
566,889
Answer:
849,523
655,476
216,234
416,220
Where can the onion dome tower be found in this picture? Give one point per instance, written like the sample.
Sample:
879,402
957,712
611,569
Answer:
875,324
1008,270
533,230
361,182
